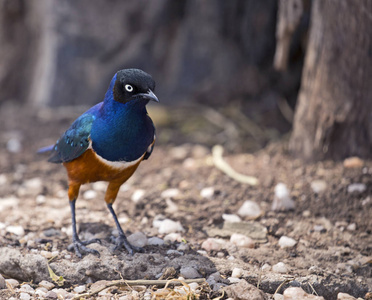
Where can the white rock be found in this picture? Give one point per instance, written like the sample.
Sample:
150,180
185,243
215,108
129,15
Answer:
46,284
280,267
266,267
3,179
46,254
41,292
33,184
250,209
171,206
241,241
24,296
237,273
351,227
356,188
169,226
319,228
61,293
89,194
213,244
189,273
183,247
296,293
344,296
40,199
12,282
173,237
80,289
138,239
207,192
138,195
170,193
286,242
278,297
14,145
155,241
27,289
231,218
282,198
99,186
17,230
306,213
193,286
233,279
318,186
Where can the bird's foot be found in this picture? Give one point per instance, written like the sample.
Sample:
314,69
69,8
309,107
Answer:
121,241
80,247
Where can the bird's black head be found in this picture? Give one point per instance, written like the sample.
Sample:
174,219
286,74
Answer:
133,84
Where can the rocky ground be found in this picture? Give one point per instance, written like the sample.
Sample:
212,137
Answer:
302,226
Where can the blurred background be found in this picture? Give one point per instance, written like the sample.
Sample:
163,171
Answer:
227,72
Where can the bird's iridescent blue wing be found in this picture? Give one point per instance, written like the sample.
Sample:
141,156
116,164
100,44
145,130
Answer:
75,141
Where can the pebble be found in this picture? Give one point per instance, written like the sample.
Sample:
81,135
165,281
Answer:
170,193
3,179
171,206
318,186
353,162
286,242
99,186
319,228
138,239
245,290
46,254
138,195
213,244
233,279
183,247
356,188
231,218
27,289
33,185
16,229
51,232
60,293
351,227
266,267
295,293
344,296
80,289
193,286
250,209
241,240
207,192
12,282
41,292
169,226
278,297
24,296
155,241
280,267
306,213
2,282
189,273
174,252
14,145
89,194
237,273
282,199
40,199
173,237
51,295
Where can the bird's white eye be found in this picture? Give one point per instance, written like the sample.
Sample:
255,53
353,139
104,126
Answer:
129,88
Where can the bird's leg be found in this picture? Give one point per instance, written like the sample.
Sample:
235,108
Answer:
122,240
78,245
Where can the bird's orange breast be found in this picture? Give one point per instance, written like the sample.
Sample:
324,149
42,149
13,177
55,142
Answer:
89,168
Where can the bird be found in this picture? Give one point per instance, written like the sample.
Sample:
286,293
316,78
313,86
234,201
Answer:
107,143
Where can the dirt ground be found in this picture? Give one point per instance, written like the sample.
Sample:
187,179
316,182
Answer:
332,228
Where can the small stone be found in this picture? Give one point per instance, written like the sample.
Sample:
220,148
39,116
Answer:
213,244
231,218
296,293
173,237
99,186
41,292
170,193
266,267
46,254
319,228
51,232
27,289
280,267
193,286
351,227
12,282
40,199
244,290
353,162
318,186
51,295
286,242
89,194
24,296
138,195
3,179
356,188
174,252
282,199
2,282
220,254
306,213
250,209
241,241
171,206
14,145
34,185
233,279
80,289
138,239
344,296
179,152
169,226
237,273
183,247
155,241
16,229
278,297
189,273
60,293
207,192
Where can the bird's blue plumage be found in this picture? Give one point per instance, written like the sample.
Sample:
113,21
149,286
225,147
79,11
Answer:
118,131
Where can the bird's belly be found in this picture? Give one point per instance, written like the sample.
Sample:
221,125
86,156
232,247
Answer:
90,167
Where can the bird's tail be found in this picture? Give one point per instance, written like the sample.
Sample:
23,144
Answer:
45,149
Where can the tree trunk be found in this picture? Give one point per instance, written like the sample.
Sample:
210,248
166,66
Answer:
333,118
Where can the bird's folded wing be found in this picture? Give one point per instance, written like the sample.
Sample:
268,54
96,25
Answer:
74,142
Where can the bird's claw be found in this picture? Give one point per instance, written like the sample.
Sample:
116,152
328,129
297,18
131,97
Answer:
121,241
80,247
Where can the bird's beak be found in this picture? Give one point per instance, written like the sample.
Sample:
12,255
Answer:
150,95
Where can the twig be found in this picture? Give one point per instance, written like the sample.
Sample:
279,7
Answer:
125,283
221,164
